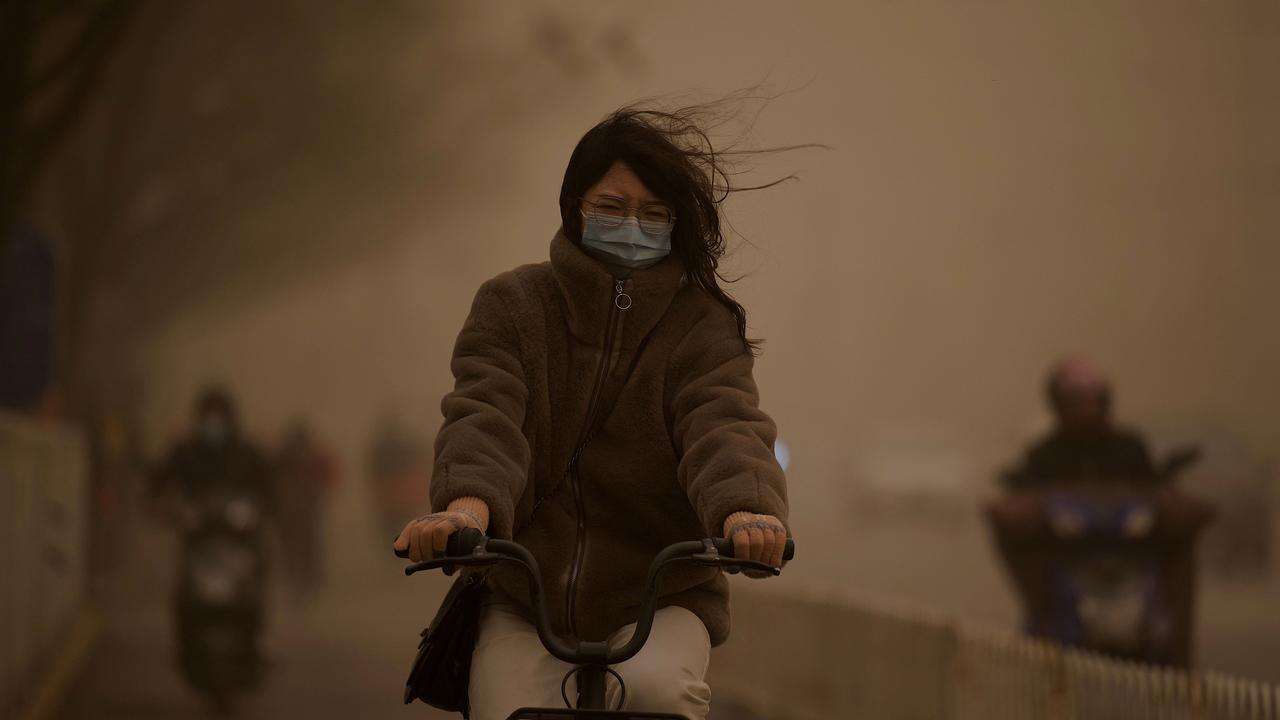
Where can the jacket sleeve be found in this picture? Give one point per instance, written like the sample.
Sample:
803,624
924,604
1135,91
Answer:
1035,466
481,450
723,439
1136,458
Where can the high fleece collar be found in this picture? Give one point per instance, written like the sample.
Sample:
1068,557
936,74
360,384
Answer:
588,291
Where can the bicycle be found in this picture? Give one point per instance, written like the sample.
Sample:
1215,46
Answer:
591,659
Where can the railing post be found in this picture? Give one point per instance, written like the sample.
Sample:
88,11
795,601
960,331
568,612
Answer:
1061,697
949,672
1195,697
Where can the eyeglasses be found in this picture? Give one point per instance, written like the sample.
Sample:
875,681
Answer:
653,218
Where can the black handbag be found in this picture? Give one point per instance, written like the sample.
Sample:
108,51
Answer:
441,673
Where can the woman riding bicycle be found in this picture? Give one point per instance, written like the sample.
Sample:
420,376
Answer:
604,408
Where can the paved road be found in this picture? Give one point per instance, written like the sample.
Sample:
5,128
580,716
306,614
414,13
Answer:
343,655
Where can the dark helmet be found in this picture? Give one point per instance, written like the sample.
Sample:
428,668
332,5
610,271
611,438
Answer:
215,402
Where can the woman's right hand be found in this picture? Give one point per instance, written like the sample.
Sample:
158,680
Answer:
428,536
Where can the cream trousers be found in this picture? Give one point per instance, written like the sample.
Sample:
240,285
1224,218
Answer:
510,669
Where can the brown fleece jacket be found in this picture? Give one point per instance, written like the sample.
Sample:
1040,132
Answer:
680,442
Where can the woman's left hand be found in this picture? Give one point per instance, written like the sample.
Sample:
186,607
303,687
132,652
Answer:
756,537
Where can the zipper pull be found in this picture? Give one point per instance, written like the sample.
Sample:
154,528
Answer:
621,299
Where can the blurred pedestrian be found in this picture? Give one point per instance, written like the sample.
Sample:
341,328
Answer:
399,472
306,473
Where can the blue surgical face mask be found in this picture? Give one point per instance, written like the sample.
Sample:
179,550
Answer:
627,245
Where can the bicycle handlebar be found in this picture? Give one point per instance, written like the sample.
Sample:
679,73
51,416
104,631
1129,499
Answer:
469,547
462,543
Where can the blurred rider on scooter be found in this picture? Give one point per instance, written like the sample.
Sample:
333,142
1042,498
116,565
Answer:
1097,539
1085,443
213,463
215,452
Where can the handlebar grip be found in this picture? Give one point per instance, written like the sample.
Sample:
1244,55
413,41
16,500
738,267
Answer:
724,546
463,542
459,543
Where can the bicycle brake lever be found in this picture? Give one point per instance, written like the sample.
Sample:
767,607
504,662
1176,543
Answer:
733,567
449,563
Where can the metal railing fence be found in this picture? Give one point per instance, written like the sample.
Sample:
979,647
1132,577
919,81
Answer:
841,657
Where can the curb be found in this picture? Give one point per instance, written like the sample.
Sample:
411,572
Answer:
52,690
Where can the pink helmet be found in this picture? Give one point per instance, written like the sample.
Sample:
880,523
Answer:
1077,375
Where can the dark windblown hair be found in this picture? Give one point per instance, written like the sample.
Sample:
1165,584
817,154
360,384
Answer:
671,152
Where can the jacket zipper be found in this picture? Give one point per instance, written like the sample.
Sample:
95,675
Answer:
620,302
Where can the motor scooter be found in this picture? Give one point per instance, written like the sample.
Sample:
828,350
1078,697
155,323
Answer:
220,594
1106,564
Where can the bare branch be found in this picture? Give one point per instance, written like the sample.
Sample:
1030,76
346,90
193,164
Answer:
89,39
40,141
15,40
